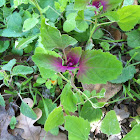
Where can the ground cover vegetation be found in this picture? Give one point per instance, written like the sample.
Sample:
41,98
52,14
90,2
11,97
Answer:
70,67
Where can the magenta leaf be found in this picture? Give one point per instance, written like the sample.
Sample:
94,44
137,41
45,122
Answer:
96,67
73,56
98,3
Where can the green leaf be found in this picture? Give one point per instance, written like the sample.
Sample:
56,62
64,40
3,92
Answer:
3,46
127,73
27,111
81,24
70,23
19,2
2,2
13,122
55,118
127,2
2,102
1,75
68,99
50,107
133,38
14,22
51,37
110,124
9,65
90,113
78,128
98,34
20,69
134,134
129,16
81,4
96,66
29,23
137,51
25,41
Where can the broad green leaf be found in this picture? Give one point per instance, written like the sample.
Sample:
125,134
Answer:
27,111
29,23
81,4
47,61
3,46
10,33
13,122
81,24
9,65
2,102
96,66
111,4
90,113
51,37
127,73
50,107
133,38
129,16
25,41
110,124
2,2
134,134
55,118
135,51
68,99
20,69
77,127
19,2
14,22
70,23
61,5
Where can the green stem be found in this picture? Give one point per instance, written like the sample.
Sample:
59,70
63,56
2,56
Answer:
105,23
64,78
37,6
92,31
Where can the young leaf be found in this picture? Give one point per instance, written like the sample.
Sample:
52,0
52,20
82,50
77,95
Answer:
9,65
81,4
55,118
134,134
137,52
25,41
13,122
70,23
81,24
127,73
27,111
68,99
29,23
50,107
98,67
1,75
90,113
78,128
19,2
110,124
51,37
2,102
20,69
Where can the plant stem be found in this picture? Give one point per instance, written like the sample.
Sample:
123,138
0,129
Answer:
37,6
106,23
64,77
92,31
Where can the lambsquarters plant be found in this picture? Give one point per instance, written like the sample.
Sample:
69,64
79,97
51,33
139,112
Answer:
87,66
